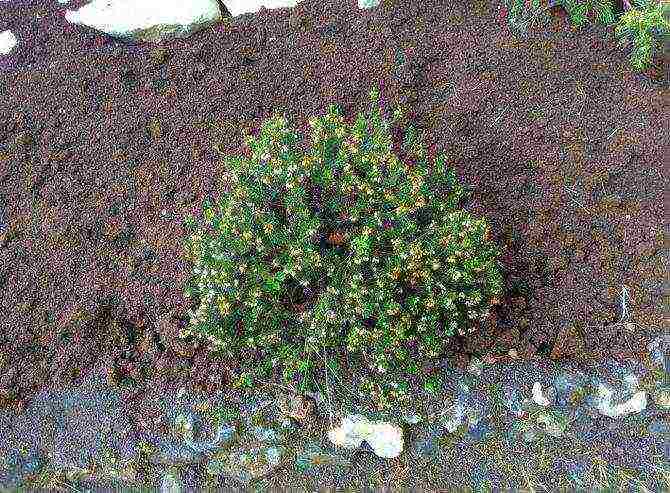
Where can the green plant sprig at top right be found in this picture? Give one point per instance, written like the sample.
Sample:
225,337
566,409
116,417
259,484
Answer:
344,251
648,25
645,23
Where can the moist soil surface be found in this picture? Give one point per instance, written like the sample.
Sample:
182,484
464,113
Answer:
106,146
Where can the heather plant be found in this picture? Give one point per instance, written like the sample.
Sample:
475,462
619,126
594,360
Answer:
343,251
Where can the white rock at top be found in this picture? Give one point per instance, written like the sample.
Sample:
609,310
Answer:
7,42
239,7
384,438
367,4
147,20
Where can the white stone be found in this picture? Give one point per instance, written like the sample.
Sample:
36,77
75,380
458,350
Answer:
367,4
538,397
239,7
147,20
604,392
631,381
7,42
348,434
384,438
475,366
635,404
456,419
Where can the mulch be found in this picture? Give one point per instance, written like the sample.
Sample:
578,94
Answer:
106,145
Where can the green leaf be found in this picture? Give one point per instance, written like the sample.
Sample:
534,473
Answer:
432,385
362,245
304,366
333,365
244,381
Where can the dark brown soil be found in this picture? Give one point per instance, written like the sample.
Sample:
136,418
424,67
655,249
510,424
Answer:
105,146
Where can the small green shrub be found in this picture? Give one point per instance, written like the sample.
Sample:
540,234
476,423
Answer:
579,11
648,26
522,14
345,249
645,24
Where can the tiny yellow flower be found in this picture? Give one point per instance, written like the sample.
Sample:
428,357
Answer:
224,307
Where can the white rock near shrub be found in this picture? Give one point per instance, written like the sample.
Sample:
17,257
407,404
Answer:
239,7
384,438
539,398
637,403
147,20
7,42
154,21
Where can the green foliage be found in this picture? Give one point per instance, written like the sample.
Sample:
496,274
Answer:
578,10
647,26
523,13
343,249
644,24
432,385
